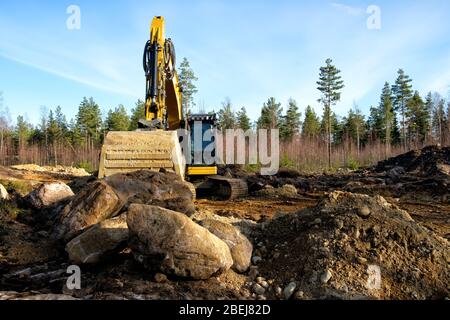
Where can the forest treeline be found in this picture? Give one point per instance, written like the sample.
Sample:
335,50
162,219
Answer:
401,120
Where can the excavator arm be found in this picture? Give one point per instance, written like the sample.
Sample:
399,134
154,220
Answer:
155,145
163,108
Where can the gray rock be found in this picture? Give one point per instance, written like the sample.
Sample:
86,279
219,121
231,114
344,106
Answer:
258,289
170,242
164,190
278,291
97,242
363,212
326,276
49,194
256,259
240,247
94,204
49,297
289,290
3,193
160,278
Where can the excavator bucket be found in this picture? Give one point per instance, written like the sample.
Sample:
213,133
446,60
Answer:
124,152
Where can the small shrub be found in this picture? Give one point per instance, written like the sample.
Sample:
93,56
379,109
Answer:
286,162
8,210
86,166
20,187
353,164
252,168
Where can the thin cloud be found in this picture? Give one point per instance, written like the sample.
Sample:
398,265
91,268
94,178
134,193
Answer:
68,76
352,11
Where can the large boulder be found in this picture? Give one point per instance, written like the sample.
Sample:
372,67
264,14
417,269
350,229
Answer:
241,248
97,242
49,194
3,193
94,204
165,190
104,199
172,243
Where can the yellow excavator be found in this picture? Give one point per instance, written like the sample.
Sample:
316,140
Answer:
156,144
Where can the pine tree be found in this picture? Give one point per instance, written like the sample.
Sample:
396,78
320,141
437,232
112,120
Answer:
226,117
439,119
117,120
402,90
291,122
271,115
187,80
429,111
243,121
418,119
355,126
137,113
61,121
22,133
387,114
89,119
330,85
74,135
311,124
375,125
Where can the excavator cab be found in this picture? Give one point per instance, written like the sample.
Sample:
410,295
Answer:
200,126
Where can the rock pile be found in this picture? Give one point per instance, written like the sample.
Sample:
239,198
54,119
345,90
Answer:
149,212
354,246
429,161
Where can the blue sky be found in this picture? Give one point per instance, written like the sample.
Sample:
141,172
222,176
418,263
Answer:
244,50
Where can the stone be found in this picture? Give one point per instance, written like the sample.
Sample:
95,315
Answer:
363,212
258,289
3,193
49,194
170,242
240,247
260,279
160,278
49,297
97,242
95,203
289,290
165,190
299,295
278,291
253,272
362,260
289,190
326,276
256,260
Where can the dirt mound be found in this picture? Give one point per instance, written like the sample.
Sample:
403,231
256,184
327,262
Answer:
354,246
72,171
429,161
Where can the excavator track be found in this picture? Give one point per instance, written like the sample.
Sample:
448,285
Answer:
222,188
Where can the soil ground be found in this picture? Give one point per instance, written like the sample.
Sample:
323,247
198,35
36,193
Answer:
24,246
